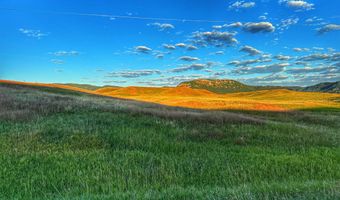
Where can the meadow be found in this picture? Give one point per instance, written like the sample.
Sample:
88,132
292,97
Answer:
64,144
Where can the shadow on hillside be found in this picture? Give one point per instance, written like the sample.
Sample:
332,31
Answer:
23,102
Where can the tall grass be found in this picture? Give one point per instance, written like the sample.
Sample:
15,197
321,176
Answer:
57,145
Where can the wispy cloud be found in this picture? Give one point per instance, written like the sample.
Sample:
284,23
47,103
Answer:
272,68
328,28
298,49
175,80
191,48
32,33
66,53
248,62
286,23
215,38
57,61
310,69
250,50
169,46
133,73
196,66
143,49
188,58
269,79
162,26
241,5
282,57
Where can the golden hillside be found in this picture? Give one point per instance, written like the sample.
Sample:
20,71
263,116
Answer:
269,100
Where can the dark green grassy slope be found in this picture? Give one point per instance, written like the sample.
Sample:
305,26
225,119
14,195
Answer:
57,145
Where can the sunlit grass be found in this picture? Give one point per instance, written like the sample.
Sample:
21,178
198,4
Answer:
265,100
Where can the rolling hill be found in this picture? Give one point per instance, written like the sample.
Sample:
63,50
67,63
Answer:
154,91
218,86
82,86
330,87
57,144
187,97
223,86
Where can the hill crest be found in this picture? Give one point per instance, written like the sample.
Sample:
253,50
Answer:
218,85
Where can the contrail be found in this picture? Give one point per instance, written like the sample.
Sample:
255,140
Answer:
116,16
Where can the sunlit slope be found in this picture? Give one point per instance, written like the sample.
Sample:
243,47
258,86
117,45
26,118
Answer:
275,100
270,100
51,85
154,91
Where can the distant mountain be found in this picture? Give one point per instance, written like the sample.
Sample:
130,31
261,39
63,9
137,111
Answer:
224,86
330,87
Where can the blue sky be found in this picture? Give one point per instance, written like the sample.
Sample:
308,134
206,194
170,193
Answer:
162,43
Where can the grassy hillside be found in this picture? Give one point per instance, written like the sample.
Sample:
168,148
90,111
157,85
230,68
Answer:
83,86
263,100
61,144
331,87
87,86
153,91
218,86
223,86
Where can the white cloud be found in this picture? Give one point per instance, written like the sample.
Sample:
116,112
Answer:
286,23
168,46
66,53
269,79
262,69
250,50
191,47
57,61
315,57
297,4
248,62
159,56
215,38
32,33
143,49
133,74
162,26
282,57
188,58
241,5
264,27
181,45
233,25
175,80
297,49
310,69
196,66
328,28
219,53
217,27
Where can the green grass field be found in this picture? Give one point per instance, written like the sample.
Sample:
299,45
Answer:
58,144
